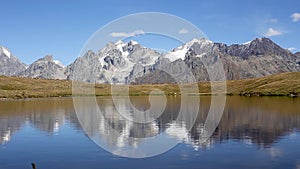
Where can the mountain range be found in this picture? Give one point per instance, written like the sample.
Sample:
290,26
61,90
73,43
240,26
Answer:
130,62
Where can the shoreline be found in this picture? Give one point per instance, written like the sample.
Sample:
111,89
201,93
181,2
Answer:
136,95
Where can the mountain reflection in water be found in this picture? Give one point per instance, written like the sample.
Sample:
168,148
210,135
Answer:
257,120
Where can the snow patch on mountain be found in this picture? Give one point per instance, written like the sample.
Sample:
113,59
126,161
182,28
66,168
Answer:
58,63
201,55
247,43
180,52
119,46
6,51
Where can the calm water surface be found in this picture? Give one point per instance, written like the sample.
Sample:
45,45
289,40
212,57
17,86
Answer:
255,132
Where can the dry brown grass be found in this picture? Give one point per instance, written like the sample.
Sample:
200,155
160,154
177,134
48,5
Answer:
279,84
17,87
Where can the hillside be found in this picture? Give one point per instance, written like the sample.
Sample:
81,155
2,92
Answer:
280,84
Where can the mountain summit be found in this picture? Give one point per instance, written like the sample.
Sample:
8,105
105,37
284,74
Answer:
257,47
9,64
46,68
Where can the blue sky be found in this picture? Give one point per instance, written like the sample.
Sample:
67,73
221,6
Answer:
34,28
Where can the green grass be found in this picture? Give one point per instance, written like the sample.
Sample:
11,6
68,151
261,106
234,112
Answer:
275,85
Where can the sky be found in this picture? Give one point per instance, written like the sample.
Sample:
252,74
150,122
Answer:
32,29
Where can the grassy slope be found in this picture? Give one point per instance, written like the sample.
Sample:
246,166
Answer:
280,84
16,87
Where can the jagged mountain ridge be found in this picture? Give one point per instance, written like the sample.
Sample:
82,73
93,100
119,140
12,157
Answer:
129,62
260,57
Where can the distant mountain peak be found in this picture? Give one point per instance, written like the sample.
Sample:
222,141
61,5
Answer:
201,41
257,47
9,64
247,43
120,42
47,58
5,51
132,42
196,45
262,40
45,68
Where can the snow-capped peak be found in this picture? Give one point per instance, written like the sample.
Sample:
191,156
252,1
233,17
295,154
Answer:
133,42
120,45
119,42
179,53
247,43
202,41
6,51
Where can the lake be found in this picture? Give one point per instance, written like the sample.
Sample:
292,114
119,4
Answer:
254,132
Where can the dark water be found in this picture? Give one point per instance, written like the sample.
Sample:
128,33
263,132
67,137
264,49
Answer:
257,132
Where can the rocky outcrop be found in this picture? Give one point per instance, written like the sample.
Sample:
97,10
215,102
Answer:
9,64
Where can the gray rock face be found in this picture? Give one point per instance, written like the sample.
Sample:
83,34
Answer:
117,63
196,60
257,47
260,57
45,68
9,64
85,68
